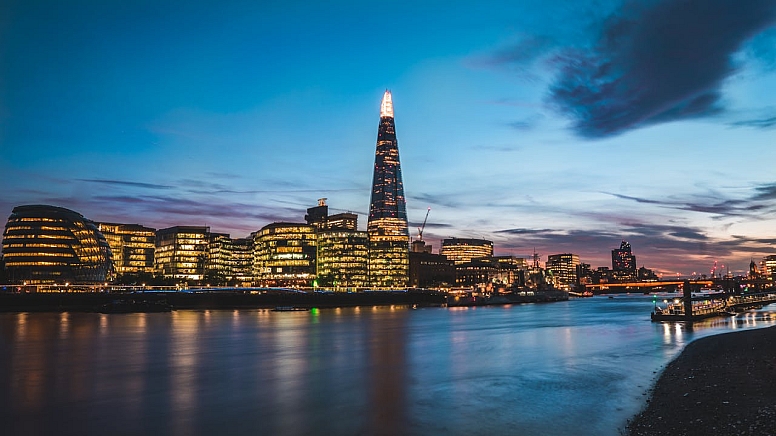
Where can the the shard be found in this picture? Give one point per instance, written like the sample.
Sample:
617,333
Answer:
387,225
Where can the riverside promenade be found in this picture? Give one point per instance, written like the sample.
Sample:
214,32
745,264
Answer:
719,385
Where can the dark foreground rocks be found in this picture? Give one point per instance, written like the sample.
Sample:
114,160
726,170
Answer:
719,385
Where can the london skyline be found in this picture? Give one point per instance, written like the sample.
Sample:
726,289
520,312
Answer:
522,124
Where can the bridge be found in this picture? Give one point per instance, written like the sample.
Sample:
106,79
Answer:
646,285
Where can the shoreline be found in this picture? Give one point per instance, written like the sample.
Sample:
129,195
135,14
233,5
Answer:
720,384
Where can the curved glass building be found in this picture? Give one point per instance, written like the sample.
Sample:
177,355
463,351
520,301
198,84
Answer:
54,245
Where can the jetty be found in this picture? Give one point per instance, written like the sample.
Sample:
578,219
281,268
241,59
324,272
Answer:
694,307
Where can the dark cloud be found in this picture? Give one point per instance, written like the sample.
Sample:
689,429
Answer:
655,64
126,183
760,123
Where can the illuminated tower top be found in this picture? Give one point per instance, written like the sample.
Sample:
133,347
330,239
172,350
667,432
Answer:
386,107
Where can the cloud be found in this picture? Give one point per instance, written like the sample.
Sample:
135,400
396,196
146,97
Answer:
656,64
751,207
760,123
126,183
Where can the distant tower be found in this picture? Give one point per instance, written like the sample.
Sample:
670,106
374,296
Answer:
387,225
624,262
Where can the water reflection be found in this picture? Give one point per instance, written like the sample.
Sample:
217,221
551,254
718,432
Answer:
374,370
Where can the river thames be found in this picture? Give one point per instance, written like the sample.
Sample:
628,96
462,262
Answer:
578,367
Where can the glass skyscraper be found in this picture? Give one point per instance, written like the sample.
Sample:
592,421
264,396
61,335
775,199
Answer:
387,225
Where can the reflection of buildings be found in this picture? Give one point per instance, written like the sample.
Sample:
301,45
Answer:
387,225
48,244
182,251
284,254
462,250
623,263
564,269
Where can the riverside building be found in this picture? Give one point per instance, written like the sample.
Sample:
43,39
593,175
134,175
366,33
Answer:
463,250
182,252
564,269
387,224
132,246
284,254
53,245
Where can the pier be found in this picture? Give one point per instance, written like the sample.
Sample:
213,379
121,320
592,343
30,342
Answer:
700,306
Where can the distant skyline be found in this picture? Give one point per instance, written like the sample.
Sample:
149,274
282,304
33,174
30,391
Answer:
535,124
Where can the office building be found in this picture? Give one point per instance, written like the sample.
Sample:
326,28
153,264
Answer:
53,245
623,263
342,260
319,217
182,252
387,224
429,270
462,250
564,269
284,254
132,246
242,261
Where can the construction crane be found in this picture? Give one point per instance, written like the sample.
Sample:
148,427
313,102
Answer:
423,227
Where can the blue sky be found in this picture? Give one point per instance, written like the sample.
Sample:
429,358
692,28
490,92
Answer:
555,125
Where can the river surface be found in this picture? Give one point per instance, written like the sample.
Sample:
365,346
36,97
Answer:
568,368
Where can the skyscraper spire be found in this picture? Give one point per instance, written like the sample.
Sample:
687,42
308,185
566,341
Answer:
387,225
386,107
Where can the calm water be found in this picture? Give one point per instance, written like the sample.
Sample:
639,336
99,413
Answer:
569,368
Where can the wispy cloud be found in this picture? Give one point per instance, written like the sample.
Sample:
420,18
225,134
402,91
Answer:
760,123
751,207
126,183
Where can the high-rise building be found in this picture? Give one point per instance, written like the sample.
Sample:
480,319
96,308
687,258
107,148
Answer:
463,250
387,226
284,254
182,252
53,245
564,269
623,262
132,246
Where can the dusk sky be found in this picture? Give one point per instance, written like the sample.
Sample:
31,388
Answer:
536,124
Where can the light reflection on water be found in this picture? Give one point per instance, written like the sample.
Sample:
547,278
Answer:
577,367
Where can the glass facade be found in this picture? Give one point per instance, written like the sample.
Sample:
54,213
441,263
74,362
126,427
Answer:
219,256
623,263
242,260
342,258
284,255
463,250
387,225
53,245
564,269
132,246
181,252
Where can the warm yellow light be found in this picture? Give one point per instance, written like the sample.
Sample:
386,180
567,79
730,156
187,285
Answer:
386,107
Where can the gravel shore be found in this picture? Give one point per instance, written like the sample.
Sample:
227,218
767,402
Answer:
719,385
